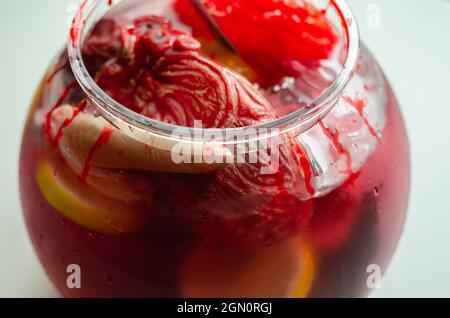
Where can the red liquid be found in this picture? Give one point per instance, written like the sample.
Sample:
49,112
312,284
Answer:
321,248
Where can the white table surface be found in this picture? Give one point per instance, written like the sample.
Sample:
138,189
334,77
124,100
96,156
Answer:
412,43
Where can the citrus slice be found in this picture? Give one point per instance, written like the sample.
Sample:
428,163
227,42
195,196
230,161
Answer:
82,205
284,270
303,284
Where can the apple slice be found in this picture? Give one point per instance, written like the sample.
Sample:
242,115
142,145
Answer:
123,152
283,270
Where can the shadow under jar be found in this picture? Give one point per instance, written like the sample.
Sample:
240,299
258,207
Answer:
102,185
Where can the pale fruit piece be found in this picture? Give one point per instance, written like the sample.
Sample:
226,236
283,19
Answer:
82,205
127,153
283,270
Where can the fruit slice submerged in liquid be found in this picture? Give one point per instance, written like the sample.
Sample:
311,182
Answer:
63,190
284,270
268,34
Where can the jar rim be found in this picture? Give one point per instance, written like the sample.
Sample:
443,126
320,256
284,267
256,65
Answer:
298,121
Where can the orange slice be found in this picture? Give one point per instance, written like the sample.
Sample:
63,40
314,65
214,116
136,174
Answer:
284,270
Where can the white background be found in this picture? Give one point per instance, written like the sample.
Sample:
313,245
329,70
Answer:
412,45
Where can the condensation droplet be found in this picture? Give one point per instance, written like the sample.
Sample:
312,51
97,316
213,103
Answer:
376,191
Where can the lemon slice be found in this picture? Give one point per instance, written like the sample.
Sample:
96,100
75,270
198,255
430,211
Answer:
82,205
284,270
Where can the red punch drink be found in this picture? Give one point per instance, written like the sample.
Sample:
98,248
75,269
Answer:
215,148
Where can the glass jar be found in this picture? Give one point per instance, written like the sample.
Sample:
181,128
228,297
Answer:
148,208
